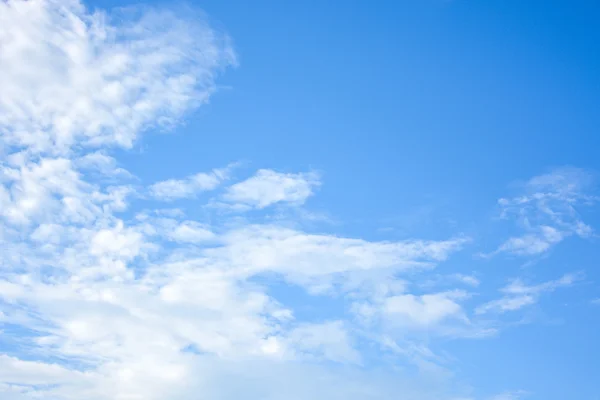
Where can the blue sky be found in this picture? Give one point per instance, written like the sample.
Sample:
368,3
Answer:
291,200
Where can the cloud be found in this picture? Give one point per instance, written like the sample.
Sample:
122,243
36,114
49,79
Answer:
118,301
189,187
532,244
33,373
509,395
324,262
105,77
518,295
105,165
330,340
191,232
467,279
449,280
102,300
425,310
130,331
118,304
268,187
547,211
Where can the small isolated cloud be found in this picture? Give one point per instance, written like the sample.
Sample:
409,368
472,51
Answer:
467,279
547,211
514,395
173,189
534,243
269,187
518,295
425,310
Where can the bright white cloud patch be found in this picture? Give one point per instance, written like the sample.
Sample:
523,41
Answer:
70,77
269,187
424,310
191,232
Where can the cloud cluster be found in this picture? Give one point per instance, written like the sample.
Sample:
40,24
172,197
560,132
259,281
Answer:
70,77
547,211
101,298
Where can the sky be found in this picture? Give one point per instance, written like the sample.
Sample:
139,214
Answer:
299,200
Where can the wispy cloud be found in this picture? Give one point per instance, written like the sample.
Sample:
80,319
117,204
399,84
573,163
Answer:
110,305
425,310
514,395
547,211
189,187
518,295
269,187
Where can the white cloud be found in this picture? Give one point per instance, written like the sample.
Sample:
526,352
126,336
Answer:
189,187
425,310
129,332
532,244
116,243
34,373
449,280
547,211
468,280
509,395
505,304
268,187
105,77
329,340
105,165
191,232
518,295
154,304
404,315
312,259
